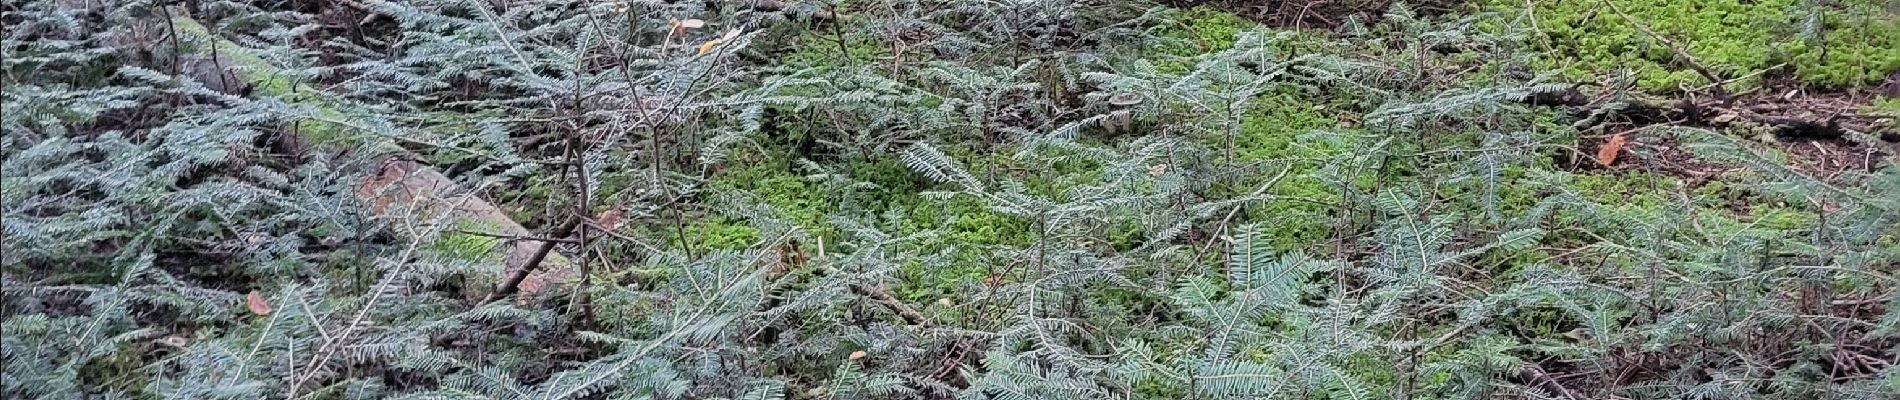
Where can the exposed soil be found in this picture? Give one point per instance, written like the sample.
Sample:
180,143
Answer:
1825,134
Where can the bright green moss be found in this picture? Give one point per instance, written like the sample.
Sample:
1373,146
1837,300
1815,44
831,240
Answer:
969,232
820,48
1185,33
322,131
465,246
1733,38
1884,106
1516,194
1625,190
1857,49
1782,218
1157,389
716,233
973,222
1205,29
771,179
1271,132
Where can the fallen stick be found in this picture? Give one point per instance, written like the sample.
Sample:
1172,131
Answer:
911,316
514,280
1535,376
1643,111
1673,47
399,184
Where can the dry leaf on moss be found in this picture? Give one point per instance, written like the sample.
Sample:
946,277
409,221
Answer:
255,302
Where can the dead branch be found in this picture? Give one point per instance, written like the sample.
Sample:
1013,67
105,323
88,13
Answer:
885,299
517,276
1535,376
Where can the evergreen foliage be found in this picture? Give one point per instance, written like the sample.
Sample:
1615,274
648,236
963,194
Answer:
901,199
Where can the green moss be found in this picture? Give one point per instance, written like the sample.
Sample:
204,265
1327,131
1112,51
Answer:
1205,29
465,246
1270,131
1542,321
1633,190
1733,38
1186,33
891,177
820,49
1159,389
1781,218
534,191
1516,193
770,178
1884,106
117,370
717,233
1857,49
969,231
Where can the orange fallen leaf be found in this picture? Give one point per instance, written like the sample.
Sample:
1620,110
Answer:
255,302
728,37
1607,153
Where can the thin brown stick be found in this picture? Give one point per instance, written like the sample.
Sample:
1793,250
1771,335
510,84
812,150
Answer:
1535,376
513,237
513,283
1673,47
911,316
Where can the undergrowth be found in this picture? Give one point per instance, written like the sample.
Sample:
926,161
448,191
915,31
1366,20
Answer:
927,199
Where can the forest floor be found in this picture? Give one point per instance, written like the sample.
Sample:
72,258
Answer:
941,199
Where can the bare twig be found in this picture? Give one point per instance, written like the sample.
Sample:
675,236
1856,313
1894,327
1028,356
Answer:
1535,376
911,316
1680,53
514,237
513,283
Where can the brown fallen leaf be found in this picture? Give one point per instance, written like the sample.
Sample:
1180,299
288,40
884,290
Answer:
1607,154
255,302
715,42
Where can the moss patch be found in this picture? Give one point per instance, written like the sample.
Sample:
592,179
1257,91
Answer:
1270,133
1734,38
